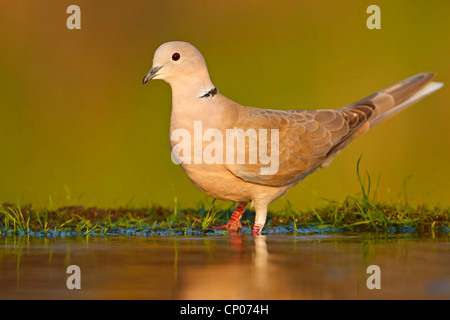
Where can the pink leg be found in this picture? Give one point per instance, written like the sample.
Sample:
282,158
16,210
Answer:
260,217
235,223
256,230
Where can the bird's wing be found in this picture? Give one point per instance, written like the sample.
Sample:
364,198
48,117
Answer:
306,141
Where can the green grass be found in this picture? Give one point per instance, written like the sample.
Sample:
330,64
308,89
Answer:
358,213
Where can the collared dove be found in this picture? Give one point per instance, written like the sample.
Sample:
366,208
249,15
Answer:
306,140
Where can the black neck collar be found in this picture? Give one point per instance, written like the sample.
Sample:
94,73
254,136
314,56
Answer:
210,93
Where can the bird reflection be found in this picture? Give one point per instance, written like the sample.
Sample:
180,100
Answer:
239,272
260,264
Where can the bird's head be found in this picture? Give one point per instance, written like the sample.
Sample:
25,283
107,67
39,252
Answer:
178,61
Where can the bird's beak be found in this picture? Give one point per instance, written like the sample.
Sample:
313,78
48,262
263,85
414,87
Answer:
151,74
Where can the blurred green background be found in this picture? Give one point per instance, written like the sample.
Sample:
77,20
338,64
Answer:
77,125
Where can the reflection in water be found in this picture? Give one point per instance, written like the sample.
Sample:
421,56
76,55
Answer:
241,272
260,265
227,267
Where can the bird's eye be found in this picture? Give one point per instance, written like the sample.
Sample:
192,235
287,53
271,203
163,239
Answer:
176,56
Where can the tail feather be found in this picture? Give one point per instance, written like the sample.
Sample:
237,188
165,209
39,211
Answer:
376,108
388,102
419,95
402,90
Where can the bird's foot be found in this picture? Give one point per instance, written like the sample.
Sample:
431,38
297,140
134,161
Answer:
234,224
256,231
231,226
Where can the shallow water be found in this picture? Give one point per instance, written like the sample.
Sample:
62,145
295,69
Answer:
226,267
